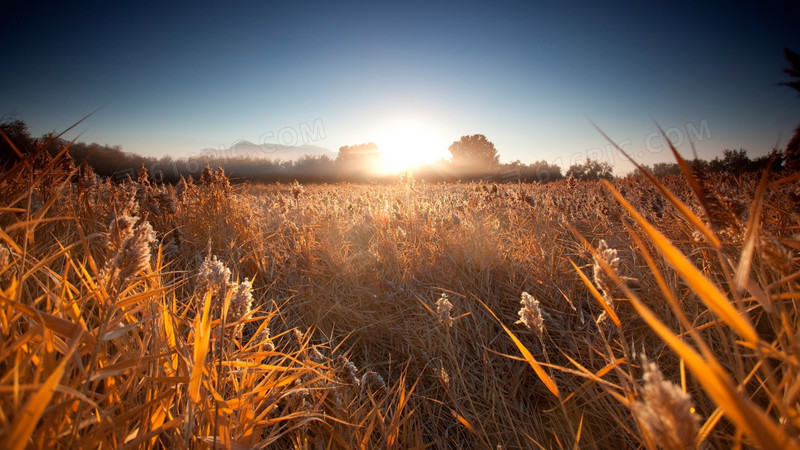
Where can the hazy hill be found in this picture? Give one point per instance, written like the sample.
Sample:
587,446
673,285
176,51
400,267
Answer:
270,151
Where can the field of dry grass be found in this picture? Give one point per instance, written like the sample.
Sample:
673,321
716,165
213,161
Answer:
618,315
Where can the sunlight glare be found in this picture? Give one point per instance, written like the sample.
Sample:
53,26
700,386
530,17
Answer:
407,144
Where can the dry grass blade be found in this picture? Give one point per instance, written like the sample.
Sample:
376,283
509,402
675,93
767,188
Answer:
57,324
10,242
675,201
718,384
711,422
463,421
786,179
597,296
665,289
548,382
138,298
707,291
12,145
119,331
32,223
669,296
139,439
697,188
202,329
751,235
26,421
123,366
596,377
393,430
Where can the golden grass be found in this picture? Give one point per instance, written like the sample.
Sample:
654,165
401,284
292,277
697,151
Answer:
127,319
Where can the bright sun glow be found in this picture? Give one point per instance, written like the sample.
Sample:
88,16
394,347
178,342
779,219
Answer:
407,144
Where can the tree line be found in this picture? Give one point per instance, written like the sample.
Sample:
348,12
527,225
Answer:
474,157
736,162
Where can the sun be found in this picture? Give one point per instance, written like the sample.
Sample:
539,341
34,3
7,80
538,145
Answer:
408,143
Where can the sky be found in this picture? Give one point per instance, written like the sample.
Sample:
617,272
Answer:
176,78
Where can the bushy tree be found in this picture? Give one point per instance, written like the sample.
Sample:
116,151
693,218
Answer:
760,163
735,161
17,132
541,171
357,161
357,153
663,169
544,171
474,152
591,170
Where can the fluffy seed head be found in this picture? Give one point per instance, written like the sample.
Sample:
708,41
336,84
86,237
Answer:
346,371
134,253
241,301
443,308
120,229
373,382
127,197
777,256
6,272
5,255
665,412
220,178
530,314
297,189
264,338
444,377
207,177
571,182
601,279
214,276
180,189
142,177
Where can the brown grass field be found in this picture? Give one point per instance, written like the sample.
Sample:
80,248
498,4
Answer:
636,313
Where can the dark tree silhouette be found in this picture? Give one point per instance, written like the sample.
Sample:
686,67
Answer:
591,170
541,171
357,161
359,153
474,152
17,132
794,69
793,147
663,169
735,161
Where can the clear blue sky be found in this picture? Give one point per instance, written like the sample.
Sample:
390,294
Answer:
175,79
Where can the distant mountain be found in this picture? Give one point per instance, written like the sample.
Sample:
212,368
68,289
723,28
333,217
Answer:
270,151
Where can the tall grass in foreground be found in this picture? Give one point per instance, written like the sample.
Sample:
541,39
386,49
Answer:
107,343
652,312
